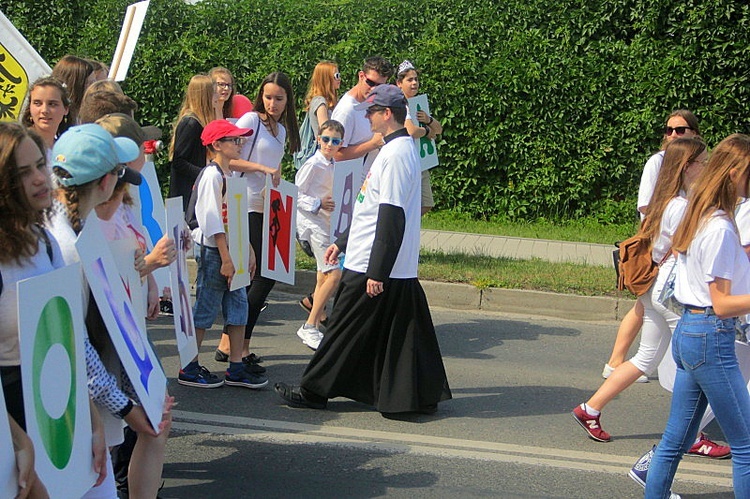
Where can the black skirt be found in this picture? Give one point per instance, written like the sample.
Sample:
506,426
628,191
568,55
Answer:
380,351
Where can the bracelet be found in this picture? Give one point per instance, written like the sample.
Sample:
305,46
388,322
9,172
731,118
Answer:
430,122
125,410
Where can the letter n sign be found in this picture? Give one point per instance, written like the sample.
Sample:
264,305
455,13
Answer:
280,223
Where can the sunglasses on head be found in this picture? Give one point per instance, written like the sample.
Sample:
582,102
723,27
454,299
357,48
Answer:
118,170
237,140
335,141
679,130
336,75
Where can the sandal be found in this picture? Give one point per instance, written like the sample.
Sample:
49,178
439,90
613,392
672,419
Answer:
293,397
309,299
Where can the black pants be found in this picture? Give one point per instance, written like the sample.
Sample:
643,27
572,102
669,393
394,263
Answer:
13,391
258,290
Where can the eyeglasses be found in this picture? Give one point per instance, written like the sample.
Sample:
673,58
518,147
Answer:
239,141
118,171
370,83
336,75
335,141
679,130
224,85
375,109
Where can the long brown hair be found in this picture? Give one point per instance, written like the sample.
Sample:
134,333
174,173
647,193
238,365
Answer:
677,156
73,72
714,188
18,237
198,102
689,118
322,83
288,116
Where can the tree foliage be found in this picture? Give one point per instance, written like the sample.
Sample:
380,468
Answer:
550,108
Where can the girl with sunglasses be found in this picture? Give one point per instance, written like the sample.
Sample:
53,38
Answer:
680,123
274,125
684,160
713,283
407,79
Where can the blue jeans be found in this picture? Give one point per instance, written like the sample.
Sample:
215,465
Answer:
707,372
212,292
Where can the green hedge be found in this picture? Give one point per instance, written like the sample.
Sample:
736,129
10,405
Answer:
550,108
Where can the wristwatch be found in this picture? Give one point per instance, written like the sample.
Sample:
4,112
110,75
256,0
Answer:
125,410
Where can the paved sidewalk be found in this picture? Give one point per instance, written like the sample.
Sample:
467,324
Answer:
517,247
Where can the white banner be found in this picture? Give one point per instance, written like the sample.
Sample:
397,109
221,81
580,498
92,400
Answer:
130,341
279,224
20,65
238,231
131,30
428,157
53,371
184,327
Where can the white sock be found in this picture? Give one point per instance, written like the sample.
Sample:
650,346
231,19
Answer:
589,410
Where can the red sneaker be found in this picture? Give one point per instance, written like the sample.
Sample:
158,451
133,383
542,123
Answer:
706,448
591,425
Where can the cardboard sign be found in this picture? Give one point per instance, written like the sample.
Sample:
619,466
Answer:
428,157
53,370
131,30
347,180
184,327
238,231
128,337
279,223
20,65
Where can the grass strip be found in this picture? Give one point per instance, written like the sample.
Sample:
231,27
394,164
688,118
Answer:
489,272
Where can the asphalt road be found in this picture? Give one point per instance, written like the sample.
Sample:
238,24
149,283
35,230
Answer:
507,432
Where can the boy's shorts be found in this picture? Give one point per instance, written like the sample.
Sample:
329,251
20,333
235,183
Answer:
212,292
427,200
319,244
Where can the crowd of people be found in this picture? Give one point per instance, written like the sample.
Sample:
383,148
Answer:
75,153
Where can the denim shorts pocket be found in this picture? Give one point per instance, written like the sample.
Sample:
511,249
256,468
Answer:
210,268
692,347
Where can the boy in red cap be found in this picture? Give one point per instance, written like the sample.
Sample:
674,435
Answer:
215,268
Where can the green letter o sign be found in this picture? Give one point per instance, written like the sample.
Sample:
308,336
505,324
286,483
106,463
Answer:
55,327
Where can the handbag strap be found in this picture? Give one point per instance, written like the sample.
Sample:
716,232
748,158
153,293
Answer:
252,146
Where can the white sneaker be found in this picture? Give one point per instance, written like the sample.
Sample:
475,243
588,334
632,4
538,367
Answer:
609,370
310,336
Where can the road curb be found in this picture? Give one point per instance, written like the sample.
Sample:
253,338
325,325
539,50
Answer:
468,297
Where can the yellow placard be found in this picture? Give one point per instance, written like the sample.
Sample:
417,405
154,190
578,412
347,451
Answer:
14,83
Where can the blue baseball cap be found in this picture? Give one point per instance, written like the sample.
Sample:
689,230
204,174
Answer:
383,95
88,152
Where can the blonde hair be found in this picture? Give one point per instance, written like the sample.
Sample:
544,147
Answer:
714,188
198,103
677,156
322,83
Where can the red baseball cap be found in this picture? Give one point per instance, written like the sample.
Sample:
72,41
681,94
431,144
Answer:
218,129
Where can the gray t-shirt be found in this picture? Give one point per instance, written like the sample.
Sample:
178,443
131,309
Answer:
315,103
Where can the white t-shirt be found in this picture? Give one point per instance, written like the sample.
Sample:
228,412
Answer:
648,179
315,181
670,219
395,179
210,206
267,151
11,273
356,126
714,252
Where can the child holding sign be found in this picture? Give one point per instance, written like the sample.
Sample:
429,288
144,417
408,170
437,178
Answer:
314,206
215,267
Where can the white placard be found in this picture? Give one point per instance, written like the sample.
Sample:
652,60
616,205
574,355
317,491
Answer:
135,353
131,30
347,181
428,157
238,237
279,224
184,327
149,207
123,252
20,65
53,372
